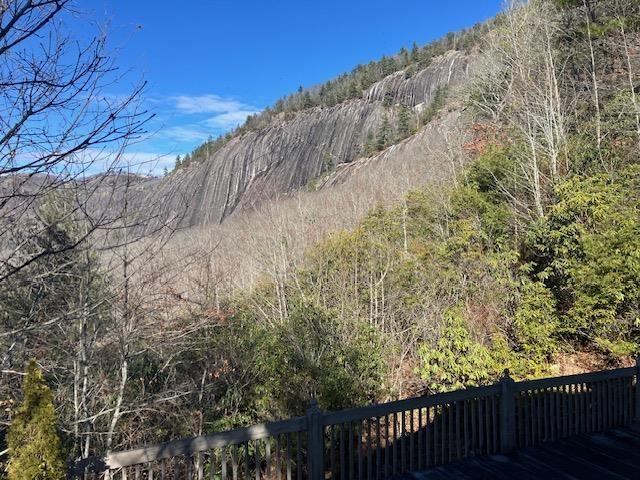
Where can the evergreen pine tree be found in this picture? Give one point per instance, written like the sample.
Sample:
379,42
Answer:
388,98
369,146
178,162
383,134
388,66
415,53
307,102
35,450
354,91
404,122
404,57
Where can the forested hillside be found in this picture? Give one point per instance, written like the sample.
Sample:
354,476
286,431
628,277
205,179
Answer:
502,230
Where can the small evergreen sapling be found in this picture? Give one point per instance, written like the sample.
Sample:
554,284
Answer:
35,450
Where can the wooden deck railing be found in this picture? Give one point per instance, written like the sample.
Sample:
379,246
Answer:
384,440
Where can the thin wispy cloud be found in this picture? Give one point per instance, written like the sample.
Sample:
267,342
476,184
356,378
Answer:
183,122
229,119
139,162
186,133
199,123
209,103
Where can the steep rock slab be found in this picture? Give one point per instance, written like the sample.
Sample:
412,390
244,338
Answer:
289,153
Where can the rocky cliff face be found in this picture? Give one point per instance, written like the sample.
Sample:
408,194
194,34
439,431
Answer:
291,152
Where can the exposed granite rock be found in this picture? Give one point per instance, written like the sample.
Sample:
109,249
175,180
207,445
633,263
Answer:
291,152
452,68
431,155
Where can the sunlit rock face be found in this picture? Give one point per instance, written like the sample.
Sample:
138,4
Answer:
291,152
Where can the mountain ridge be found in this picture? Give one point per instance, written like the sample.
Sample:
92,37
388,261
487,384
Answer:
291,152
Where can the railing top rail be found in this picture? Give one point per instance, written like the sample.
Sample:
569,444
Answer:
189,446
573,379
377,410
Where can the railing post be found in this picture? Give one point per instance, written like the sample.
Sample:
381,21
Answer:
316,441
507,414
636,410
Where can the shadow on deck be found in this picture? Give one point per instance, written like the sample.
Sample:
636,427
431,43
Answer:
611,455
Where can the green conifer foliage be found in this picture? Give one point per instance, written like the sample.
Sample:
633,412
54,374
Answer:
384,134
404,122
35,450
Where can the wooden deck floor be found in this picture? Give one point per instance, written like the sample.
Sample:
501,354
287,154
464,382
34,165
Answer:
611,455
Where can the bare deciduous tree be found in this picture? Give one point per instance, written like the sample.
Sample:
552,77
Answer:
58,123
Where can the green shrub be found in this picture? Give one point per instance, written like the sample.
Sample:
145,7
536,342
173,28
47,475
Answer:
35,449
588,249
457,360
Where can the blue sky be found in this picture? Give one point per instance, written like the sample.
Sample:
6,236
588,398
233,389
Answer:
210,63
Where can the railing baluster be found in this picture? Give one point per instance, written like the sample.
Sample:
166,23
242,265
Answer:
487,423
387,447
593,406
474,426
256,459
444,434
580,408
351,459
496,424
451,431
369,451
521,438
527,418
420,439
619,399
545,403
467,446
437,421
200,465
223,464
612,405
428,428
626,385
299,466
277,456
394,458
359,445
332,451
288,455
346,466
234,462
587,407
267,454
601,405
458,431
411,441
378,448
403,443
559,413
481,429
212,465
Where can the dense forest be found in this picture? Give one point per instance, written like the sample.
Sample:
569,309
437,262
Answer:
528,257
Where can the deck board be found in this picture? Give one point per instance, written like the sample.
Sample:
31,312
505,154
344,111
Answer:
611,455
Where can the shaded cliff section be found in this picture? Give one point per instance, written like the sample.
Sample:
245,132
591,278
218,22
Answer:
292,151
